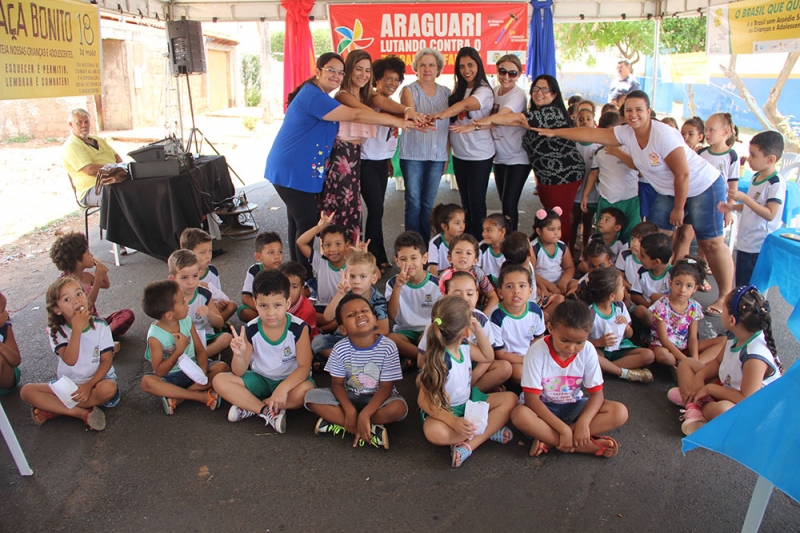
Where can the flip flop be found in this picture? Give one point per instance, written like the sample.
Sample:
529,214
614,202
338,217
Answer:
459,453
538,448
168,404
705,287
712,310
605,451
95,419
40,416
214,402
502,435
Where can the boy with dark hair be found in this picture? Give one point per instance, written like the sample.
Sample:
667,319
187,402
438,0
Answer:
301,307
761,207
653,277
200,243
269,256
271,358
630,261
171,336
363,368
410,294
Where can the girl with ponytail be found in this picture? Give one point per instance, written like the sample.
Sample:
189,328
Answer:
446,383
748,362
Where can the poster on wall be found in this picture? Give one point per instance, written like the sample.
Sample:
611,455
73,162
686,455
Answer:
49,48
403,29
754,27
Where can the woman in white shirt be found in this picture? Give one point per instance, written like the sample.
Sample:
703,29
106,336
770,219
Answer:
688,187
473,152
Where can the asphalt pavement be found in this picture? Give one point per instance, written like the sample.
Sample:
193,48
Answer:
195,471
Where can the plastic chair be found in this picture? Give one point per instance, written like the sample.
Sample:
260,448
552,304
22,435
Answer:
788,169
90,210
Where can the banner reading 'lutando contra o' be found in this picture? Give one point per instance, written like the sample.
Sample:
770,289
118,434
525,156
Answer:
403,29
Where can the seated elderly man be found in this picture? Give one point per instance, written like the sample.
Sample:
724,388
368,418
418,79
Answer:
85,156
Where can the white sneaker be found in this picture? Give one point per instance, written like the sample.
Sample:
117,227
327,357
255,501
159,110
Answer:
235,414
278,422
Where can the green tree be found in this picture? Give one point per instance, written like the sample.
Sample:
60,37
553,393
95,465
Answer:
577,41
251,79
276,40
321,38
683,35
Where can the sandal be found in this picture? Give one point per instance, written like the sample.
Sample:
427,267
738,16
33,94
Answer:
605,451
538,448
502,435
95,418
214,400
168,404
40,416
705,287
713,310
459,453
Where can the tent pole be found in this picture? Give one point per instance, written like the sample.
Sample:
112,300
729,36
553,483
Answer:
656,53
758,505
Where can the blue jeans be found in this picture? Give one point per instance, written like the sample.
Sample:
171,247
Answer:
421,180
745,264
700,211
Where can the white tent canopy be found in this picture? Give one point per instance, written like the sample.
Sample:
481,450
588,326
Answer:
271,10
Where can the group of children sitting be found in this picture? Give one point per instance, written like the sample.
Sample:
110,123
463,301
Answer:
472,318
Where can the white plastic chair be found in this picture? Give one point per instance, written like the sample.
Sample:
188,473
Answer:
13,444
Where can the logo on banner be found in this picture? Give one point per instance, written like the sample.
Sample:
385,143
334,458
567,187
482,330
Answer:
352,39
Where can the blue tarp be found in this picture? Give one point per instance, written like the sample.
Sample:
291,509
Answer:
541,43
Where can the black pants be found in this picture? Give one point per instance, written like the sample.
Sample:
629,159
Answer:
510,180
473,180
301,212
374,178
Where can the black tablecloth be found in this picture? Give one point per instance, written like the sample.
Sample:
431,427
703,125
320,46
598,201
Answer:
150,214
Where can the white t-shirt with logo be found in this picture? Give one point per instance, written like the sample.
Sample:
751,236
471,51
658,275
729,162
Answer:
616,181
508,139
558,381
475,145
416,302
275,359
753,229
94,342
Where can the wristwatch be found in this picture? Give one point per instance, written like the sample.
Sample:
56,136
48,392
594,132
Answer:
478,127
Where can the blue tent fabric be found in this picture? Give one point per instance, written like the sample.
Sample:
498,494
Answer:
762,433
775,267
791,208
542,43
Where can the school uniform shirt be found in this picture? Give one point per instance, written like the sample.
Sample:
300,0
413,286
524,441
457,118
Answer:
629,265
95,341
416,302
603,324
328,277
616,181
557,381
489,329
490,262
437,252
382,146
458,384
518,332
277,359
475,145
617,247
677,323
211,278
252,272
726,162
649,160
646,284
201,323
733,360
167,341
364,369
508,139
753,229
549,266
587,151
304,310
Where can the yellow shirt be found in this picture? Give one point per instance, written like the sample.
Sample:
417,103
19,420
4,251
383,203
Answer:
78,154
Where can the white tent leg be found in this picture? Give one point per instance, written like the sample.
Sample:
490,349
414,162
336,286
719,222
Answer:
758,505
13,445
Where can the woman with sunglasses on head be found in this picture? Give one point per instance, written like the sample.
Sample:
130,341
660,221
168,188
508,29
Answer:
298,161
473,149
557,164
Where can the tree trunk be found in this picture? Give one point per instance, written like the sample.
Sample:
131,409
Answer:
692,108
769,117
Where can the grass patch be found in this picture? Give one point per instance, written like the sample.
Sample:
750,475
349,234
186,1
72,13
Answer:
21,138
51,140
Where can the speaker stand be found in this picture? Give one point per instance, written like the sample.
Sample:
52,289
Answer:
198,136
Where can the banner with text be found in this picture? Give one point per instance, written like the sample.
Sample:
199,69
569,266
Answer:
49,48
754,27
402,29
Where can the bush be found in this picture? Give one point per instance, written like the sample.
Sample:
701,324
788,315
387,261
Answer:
250,123
251,79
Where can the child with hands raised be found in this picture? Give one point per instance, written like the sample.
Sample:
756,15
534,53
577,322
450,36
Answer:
556,414
85,349
446,385
747,362
554,267
271,358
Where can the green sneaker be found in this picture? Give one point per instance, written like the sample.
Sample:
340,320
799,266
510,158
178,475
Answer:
380,436
323,426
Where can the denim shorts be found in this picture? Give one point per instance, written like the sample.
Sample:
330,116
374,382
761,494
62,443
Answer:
567,412
700,211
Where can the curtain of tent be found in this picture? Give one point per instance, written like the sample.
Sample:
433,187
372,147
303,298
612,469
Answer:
298,47
541,43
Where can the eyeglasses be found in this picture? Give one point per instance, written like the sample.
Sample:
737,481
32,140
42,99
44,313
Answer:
543,90
510,73
332,70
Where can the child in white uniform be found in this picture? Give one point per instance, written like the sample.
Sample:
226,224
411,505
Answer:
447,221
554,266
495,229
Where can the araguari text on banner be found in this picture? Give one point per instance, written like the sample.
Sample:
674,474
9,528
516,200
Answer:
754,27
49,48
403,29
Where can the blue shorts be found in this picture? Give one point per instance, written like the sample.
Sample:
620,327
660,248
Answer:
179,379
567,412
700,211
